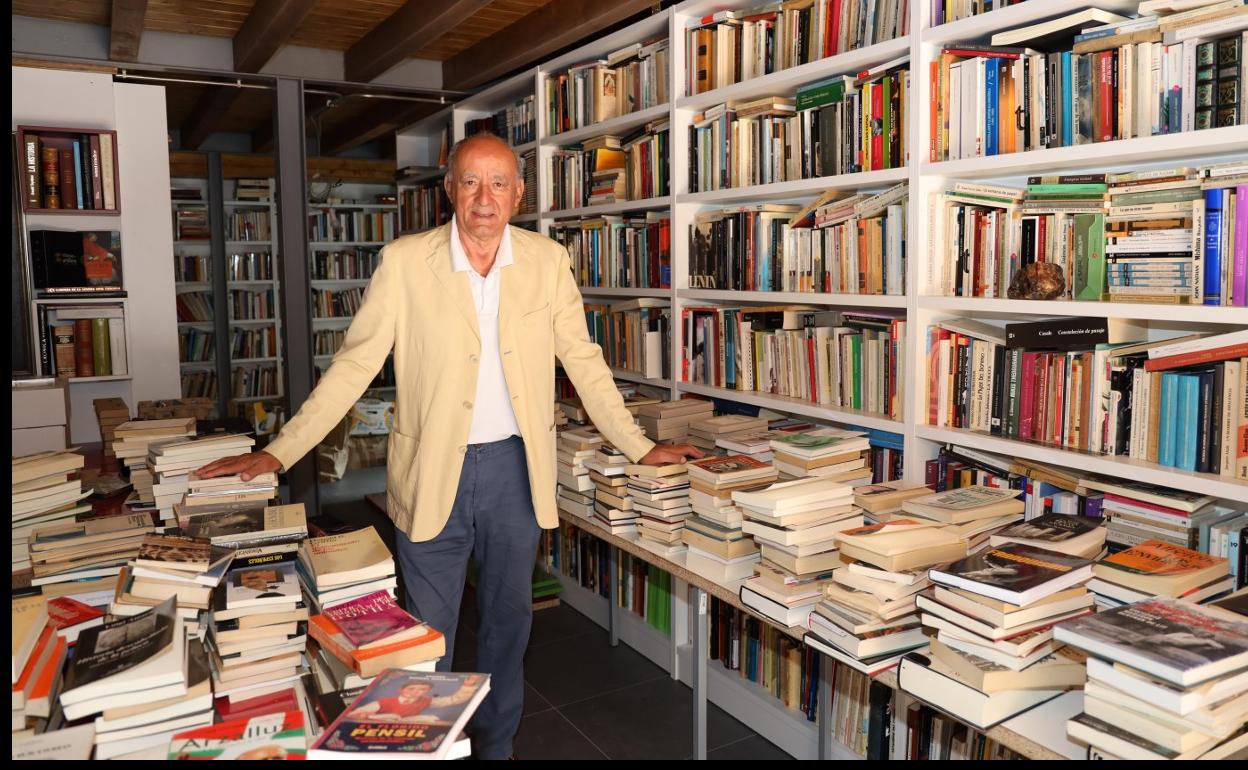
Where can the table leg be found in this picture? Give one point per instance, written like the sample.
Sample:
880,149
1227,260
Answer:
698,652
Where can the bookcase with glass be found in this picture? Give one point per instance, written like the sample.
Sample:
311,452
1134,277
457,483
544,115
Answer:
252,291
1036,312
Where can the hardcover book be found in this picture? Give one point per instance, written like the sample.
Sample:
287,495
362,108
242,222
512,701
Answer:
67,262
1014,573
404,713
1182,643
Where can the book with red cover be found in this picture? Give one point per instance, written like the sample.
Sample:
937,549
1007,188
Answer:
271,736
375,620
84,357
69,185
246,708
69,617
372,661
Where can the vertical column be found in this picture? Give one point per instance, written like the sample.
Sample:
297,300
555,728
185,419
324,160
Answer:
217,276
294,271
699,674
823,717
613,591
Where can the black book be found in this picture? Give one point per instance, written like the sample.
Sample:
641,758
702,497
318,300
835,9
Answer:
1014,573
880,724
1204,422
1058,334
120,645
73,262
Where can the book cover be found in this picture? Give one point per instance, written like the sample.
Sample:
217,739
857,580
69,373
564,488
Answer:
1175,640
272,736
1050,528
373,618
179,552
66,612
1012,570
716,466
1156,558
84,352
120,645
71,262
270,583
406,713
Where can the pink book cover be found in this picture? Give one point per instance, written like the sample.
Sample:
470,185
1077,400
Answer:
1239,285
370,618
1027,398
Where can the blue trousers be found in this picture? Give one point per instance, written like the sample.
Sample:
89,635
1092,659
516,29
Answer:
492,520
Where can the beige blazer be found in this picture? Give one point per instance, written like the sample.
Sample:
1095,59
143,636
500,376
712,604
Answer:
419,307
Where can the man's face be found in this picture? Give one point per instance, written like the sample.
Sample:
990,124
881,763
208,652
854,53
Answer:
484,187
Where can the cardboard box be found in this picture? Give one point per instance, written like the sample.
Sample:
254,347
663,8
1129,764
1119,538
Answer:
372,417
40,403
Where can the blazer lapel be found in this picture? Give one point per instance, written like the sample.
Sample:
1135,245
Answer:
517,291
454,284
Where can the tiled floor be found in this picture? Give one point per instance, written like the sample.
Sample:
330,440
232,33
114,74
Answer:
584,699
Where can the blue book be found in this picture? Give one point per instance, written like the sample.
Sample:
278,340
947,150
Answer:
991,68
78,173
1068,102
1169,404
1214,206
1187,419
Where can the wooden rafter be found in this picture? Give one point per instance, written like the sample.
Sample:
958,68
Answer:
126,29
417,24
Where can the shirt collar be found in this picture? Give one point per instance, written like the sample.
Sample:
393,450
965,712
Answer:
459,257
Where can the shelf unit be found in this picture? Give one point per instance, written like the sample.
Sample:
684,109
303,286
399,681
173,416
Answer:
921,442
237,252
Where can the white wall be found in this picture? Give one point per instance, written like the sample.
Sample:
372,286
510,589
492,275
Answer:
137,113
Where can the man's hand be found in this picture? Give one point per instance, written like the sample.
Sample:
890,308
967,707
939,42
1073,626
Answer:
246,466
670,454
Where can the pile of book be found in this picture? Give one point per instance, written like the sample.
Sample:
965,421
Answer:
635,335
994,654
668,421
849,244
881,502
169,565
1165,680
1091,76
660,497
718,546
338,568
613,503
270,733
253,189
46,489
110,413
588,173
576,489
1156,568
135,673
70,551
369,634
1137,511
38,654
834,454
173,462
732,46
704,433
795,523
133,440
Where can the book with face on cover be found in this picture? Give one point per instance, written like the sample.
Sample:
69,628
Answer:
404,714
1179,642
1160,568
1014,573
375,620
1074,535
267,584
965,504
272,736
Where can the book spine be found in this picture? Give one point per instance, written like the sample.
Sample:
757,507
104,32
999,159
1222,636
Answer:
100,350
1169,412
69,186
83,147
107,171
97,179
1188,418
65,352
30,180
1195,358
84,358
991,106
1239,276
117,345
51,178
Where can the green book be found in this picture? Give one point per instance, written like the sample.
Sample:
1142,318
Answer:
1088,187
855,346
1158,196
822,93
1088,273
100,347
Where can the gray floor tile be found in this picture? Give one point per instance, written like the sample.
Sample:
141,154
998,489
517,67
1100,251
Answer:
547,735
585,666
651,720
555,624
754,748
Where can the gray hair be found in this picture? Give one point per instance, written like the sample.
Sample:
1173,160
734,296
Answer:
450,158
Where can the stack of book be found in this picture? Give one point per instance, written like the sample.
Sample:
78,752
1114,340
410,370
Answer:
794,520
269,734
881,502
252,529
131,447
706,432
994,655
576,445
261,488
131,662
142,730
851,245
167,565
1159,568
1080,536
372,633
718,545
70,617
831,453
110,413
38,653
172,463
71,551
972,513
660,496
668,421
46,489
753,444
593,171
1165,680
613,504
338,568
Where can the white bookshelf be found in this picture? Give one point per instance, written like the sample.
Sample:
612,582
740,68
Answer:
919,308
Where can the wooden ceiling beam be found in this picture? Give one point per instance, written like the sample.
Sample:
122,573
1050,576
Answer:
206,115
269,25
384,118
416,25
550,28
126,29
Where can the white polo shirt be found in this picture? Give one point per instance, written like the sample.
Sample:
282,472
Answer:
493,419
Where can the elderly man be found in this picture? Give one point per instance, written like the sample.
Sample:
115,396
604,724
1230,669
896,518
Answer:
476,312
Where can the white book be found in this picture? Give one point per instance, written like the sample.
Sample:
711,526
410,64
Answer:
117,345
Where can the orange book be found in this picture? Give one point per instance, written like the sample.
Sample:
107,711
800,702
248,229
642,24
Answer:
38,702
29,672
370,662
1161,568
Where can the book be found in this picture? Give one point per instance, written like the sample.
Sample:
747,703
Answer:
930,680
72,744
1181,643
256,586
1161,569
271,736
71,617
351,557
1063,669
375,620
1073,535
430,711
76,262
1014,573
29,615
965,504
888,495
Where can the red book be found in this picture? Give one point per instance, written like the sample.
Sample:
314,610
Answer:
877,127
269,703
1027,397
834,19
70,617
1057,376
933,113
1108,101
1043,400
69,184
84,357
375,620
1224,353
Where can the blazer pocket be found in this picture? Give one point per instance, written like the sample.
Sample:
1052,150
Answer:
536,313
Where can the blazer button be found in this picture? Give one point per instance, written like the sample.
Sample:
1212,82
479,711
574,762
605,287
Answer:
473,358
467,404
463,450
